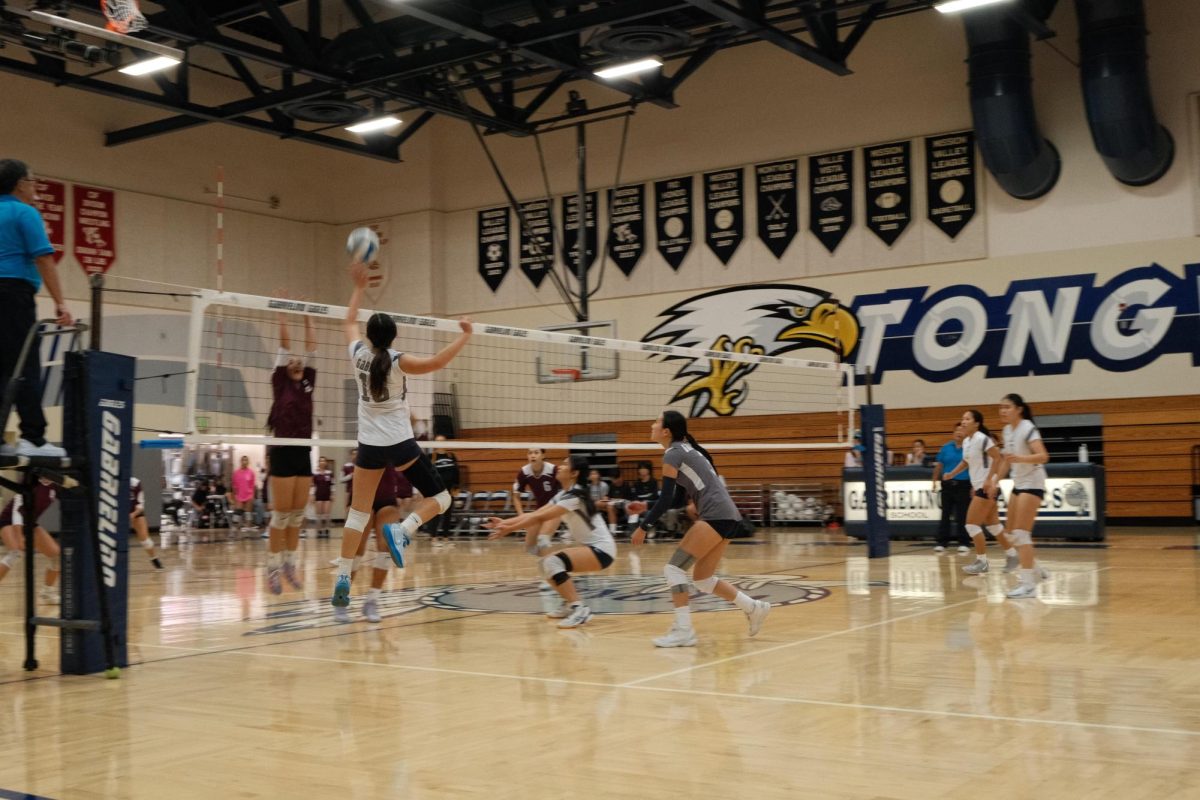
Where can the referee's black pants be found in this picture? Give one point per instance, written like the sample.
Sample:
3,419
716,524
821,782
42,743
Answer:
18,315
956,498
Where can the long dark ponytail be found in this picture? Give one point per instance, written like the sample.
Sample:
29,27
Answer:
676,423
580,465
381,332
1019,402
978,417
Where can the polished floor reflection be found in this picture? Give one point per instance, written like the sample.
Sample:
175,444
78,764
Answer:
887,678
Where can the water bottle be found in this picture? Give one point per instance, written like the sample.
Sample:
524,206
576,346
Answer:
1083,453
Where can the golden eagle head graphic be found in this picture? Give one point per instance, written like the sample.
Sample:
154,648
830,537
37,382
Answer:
765,319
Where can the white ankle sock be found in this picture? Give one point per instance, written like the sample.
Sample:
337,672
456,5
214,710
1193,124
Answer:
1012,551
1027,577
683,617
410,525
744,601
345,566
275,560
373,593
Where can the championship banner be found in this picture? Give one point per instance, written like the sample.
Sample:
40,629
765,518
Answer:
831,197
493,246
627,226
950,180
570,223
778,204
95,246
51,203
673,219
537,241
889,189
724,220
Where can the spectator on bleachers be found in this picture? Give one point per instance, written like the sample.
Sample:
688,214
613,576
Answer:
918,457
600,491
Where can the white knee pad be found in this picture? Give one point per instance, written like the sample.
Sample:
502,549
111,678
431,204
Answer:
357,520
383,561
279,520
677,579
444,501
995,530
1020,538
148,543
974,530
554,569
707,585
12,558
296,518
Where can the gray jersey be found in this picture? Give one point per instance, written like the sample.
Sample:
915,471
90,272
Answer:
701,482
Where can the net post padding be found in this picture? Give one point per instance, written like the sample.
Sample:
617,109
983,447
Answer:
123,16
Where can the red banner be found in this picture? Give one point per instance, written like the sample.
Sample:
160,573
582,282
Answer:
95,244
52,203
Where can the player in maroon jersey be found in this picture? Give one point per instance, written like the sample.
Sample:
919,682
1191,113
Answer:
323,495
537,477
137,521
291,417
12,533
385,510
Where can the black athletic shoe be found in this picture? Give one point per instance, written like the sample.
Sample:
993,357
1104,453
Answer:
157,563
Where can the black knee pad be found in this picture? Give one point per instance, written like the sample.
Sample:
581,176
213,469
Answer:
424,477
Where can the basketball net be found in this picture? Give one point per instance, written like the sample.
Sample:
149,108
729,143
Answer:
123,16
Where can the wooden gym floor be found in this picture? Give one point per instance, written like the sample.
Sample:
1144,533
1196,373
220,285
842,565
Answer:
898,678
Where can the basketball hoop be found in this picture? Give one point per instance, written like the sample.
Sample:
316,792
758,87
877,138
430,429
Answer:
567,373
123,16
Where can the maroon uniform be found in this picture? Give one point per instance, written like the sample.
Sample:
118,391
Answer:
543,485
388,490
322,485
292,409
135,495
44,497
348,479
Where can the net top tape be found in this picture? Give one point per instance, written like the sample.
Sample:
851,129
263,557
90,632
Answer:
209,297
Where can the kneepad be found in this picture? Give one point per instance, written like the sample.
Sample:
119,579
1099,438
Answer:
1020,538
444,501
995,530
707,585
677,579
279,519
554,569
357,520
148,543
974,530
11,558
296,518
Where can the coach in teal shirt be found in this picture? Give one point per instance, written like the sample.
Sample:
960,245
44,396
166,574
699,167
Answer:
956,493
26,261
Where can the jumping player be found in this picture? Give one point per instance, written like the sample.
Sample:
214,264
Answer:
688,465
137,521
385,510
537,478
12,533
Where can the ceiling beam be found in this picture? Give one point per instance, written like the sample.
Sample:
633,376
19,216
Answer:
737,18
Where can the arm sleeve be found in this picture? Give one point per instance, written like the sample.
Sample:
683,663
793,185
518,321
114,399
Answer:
33,232
281,358
661,505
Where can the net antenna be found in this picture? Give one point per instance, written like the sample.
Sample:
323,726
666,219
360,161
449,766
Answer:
123,16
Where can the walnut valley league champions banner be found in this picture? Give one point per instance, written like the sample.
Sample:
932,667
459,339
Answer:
537,241
950,180
724,220
889,189
778,211
673,219
831,197
570,218
493,246
627,226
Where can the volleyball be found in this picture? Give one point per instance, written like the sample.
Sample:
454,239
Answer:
362,244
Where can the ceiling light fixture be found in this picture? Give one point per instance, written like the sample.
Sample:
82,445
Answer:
954,6
377,124
628,68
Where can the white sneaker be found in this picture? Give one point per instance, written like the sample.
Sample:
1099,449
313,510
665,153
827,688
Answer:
758,615
49,596
31,450
1042,573
677,637
1012,563
579,615
939,549
562,612
963,549
341,614
976,567
370,610
1023,590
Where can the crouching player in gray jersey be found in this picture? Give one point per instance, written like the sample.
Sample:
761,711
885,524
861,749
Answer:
689,466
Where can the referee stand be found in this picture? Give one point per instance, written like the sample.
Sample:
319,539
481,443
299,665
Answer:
94,477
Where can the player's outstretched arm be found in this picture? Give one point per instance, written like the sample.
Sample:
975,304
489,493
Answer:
358,273
419,365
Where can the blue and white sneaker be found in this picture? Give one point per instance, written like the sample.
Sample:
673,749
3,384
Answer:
397,539
341,592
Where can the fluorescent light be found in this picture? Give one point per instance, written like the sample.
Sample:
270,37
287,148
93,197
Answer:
954,6
148,65
628,68
377,124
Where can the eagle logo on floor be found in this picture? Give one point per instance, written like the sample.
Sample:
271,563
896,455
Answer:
771,319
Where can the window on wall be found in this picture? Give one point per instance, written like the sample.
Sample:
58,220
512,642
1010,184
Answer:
1065,433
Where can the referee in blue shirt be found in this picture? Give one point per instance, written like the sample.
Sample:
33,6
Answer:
956,493
26,260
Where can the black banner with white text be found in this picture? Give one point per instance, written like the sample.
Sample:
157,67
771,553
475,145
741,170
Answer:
724,217
778,204
627,226
570,222
831,197
673,219
537,241
888,169
493,246
950,180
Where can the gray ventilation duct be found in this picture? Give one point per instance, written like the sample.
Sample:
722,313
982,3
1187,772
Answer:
1024,163
1116,91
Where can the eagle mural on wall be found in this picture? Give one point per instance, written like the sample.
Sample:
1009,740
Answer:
770,319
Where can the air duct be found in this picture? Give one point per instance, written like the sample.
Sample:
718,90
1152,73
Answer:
1116,91
1024,163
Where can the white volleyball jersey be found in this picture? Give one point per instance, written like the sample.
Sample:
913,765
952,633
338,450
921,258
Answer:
1016,443
388,421
592,532
975,449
